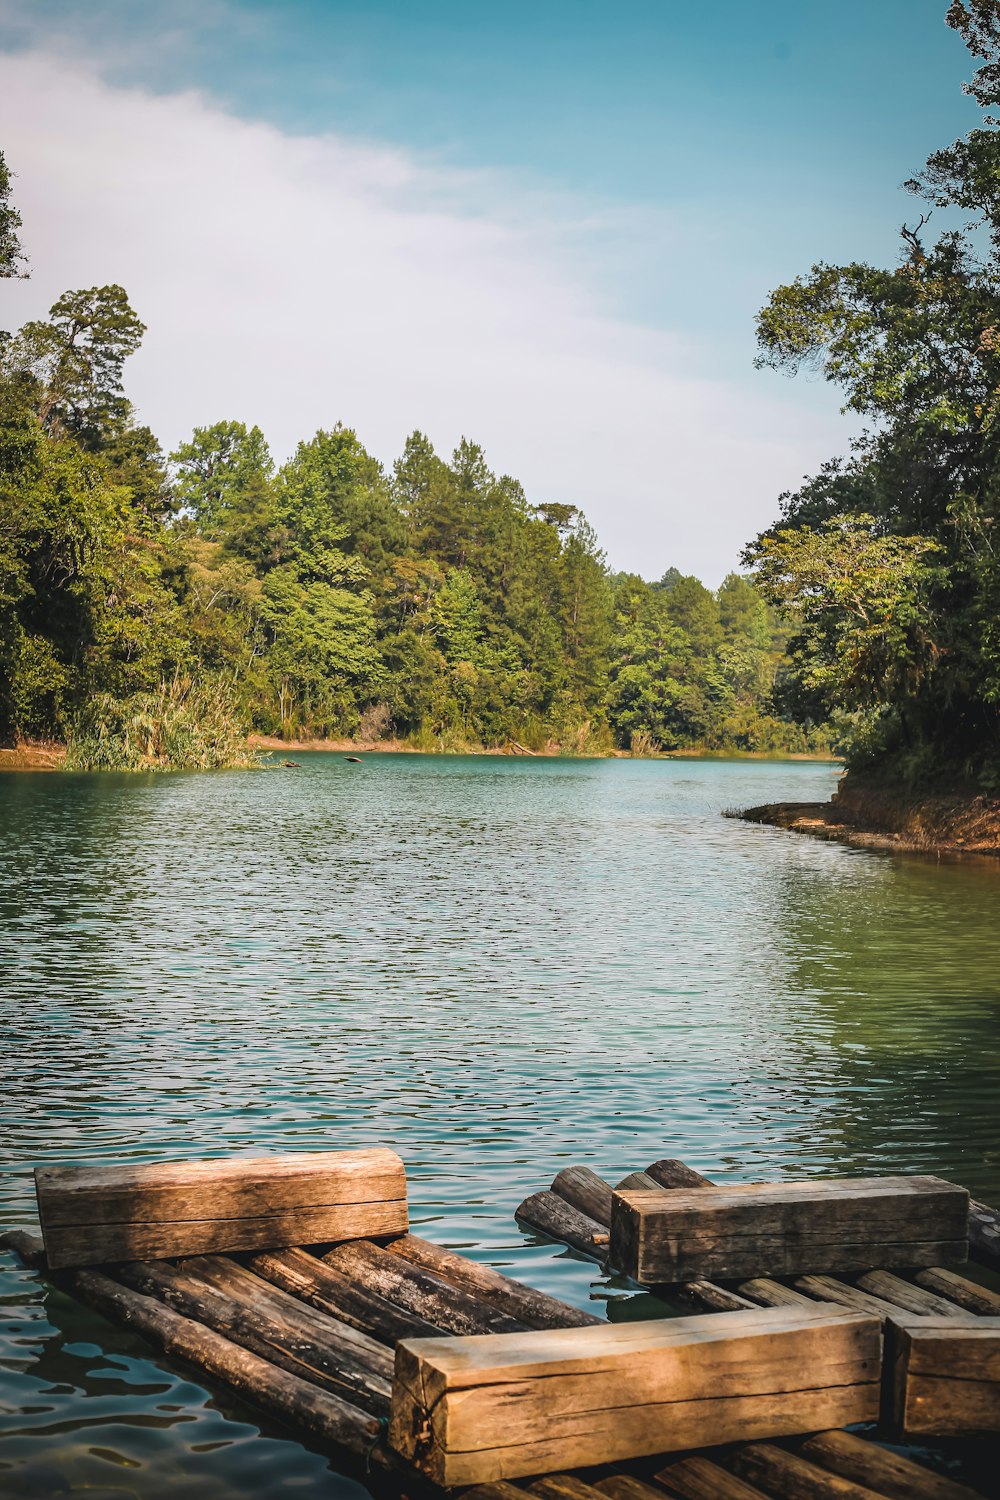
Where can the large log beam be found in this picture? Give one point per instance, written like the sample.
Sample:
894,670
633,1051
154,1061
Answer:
505,1295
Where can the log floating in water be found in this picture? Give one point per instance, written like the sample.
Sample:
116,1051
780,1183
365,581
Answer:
944,1375
888,1473
311,1279
466,1411
532,1308
984,1233
588,1192
561,1221
418,1291
296,1401
93,1215
787,1228
274,1326
671,1173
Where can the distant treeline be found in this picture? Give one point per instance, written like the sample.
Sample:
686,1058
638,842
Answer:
156,609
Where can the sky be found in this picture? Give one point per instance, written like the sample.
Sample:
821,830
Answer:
545,225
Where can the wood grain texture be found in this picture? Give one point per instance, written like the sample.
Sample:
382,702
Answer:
585,1190
468,1411
888,1473
505,1295
561,1221
959,1289
984,1233
909,1298
830,1289
92,1215
698,1478
418,1291
307,1277
232,1301
943,1374
787,1476
788,1228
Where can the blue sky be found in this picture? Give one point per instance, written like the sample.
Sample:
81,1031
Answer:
675,162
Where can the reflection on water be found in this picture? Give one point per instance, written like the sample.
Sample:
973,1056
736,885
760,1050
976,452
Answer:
497,967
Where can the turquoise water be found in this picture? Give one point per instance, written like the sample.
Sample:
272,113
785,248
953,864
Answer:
498,967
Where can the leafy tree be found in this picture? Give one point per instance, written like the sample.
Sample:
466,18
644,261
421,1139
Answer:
214,470
12,257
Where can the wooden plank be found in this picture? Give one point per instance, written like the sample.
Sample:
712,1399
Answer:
307,1277
418,1291
886,1472
466,1411
943,1375
787,1228
157,1210
505,1295
787,1476
908,1297
774,1294
300,1403
959,1289
698,1478
270,1323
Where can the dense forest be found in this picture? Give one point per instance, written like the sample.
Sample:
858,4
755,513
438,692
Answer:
887,563
155,608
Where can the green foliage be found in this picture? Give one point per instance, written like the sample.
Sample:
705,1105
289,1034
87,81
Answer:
12,258
179,727
887,560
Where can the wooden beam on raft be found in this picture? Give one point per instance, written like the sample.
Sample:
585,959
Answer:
698,1478
418,1291
788,1228
466,1411
943,1375
307,1277
93,1215
298,1402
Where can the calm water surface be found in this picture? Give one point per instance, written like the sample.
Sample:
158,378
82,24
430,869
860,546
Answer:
496,966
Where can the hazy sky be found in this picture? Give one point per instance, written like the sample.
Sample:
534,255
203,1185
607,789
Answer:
544,224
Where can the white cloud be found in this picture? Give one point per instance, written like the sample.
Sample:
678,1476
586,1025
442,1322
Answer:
294,281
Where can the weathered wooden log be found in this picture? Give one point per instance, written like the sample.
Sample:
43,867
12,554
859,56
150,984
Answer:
698,1478
499,1490
532,1308
307,1277
283,1395
830,1289
714,1298
960,1290
27,1246
788,1228
943,1374
273,1325
636,1180
586,1191
671,1173
910,1298
984,1233
560,1221
465,1411
93,1215
626,1487
773,1294
418,1291
888,1473
562,1487
786,1476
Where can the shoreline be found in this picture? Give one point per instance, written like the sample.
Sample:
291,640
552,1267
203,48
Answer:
50,756
948,825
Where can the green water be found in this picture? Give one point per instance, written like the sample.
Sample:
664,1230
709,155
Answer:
496,966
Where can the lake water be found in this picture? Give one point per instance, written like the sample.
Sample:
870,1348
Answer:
497,966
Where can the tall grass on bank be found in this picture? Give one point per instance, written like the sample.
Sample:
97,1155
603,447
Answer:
181,726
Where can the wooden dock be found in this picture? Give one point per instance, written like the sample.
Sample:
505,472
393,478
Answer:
307,1332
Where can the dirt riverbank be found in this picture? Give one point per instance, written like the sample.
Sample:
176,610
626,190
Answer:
887,818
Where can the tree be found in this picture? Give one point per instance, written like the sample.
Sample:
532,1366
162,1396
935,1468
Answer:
214,470
13,261
74,362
